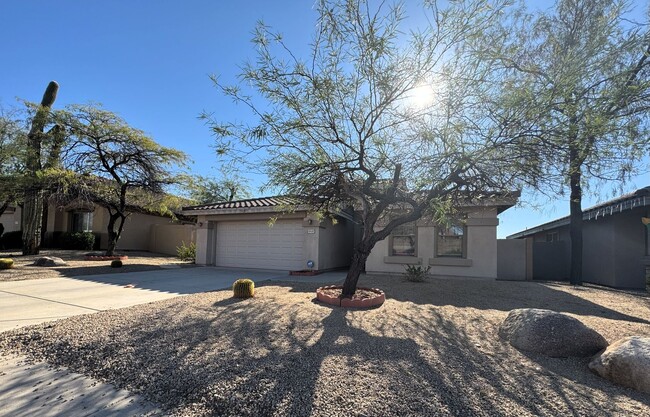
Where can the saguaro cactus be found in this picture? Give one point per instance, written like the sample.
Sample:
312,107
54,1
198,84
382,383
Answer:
34,195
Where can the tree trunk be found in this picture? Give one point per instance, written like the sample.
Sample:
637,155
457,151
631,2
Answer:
32,216
356,267
575,228
114,235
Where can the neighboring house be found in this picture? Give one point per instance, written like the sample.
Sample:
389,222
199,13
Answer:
239,234
142,231
616,248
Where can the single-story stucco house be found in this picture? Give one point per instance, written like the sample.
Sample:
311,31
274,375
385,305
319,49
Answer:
242,234
144,231
616,248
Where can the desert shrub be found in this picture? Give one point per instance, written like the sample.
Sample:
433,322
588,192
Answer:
416,273
6,263
116,264
186,252
77,240
12,240
243,288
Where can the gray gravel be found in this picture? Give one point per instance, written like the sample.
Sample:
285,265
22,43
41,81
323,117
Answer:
431,350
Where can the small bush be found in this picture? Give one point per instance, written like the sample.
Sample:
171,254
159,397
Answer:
77,240
186,252
6,263
116,264
416,273
243,288
12,240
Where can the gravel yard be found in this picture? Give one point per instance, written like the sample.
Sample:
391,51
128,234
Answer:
431,350
77,266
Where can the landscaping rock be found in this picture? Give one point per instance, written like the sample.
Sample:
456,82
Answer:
626,362
49,261
550,333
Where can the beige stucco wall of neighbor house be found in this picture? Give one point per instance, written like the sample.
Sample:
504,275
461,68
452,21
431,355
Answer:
165,238
137,232
480,260
10,219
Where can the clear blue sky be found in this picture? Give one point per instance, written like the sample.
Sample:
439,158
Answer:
149,61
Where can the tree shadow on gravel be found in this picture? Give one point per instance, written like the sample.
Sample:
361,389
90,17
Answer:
280,354
496,295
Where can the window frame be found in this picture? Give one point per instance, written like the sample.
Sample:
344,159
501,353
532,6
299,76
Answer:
415,240
463,246
88,223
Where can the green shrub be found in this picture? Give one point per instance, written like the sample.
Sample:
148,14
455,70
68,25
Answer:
116,264
77,240
6,263
186,252
416,273
12,240
243,288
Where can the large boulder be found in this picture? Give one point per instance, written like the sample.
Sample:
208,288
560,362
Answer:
550,333
49,261
626,362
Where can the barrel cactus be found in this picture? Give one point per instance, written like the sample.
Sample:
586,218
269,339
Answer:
6,263
243,288
116,264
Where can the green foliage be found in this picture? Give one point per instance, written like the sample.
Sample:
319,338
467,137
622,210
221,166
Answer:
347,123
11,240
186,252
416,273
118,166
116,264
212,190
243,288
77,240
6,263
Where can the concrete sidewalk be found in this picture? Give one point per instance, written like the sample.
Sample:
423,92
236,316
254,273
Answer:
36,301
28,390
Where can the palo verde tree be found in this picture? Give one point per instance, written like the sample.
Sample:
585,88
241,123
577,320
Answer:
352,123
229,187
576,82
117,166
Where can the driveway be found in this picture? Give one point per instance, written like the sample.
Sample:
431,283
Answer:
29,302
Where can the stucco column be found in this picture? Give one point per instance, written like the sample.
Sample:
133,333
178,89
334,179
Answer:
204,239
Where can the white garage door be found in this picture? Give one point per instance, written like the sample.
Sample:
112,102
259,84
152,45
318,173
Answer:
253,244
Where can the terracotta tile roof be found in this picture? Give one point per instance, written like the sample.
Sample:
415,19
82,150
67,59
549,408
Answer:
248,203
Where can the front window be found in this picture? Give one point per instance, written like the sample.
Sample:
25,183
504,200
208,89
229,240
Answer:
402,242
450,241
82,221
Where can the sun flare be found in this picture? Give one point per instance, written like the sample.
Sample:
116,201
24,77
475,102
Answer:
421,96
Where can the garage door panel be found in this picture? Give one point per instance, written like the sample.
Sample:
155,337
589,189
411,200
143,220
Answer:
256,245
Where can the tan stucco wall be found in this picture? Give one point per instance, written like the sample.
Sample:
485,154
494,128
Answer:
165,238
11,221
136,234
481,259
